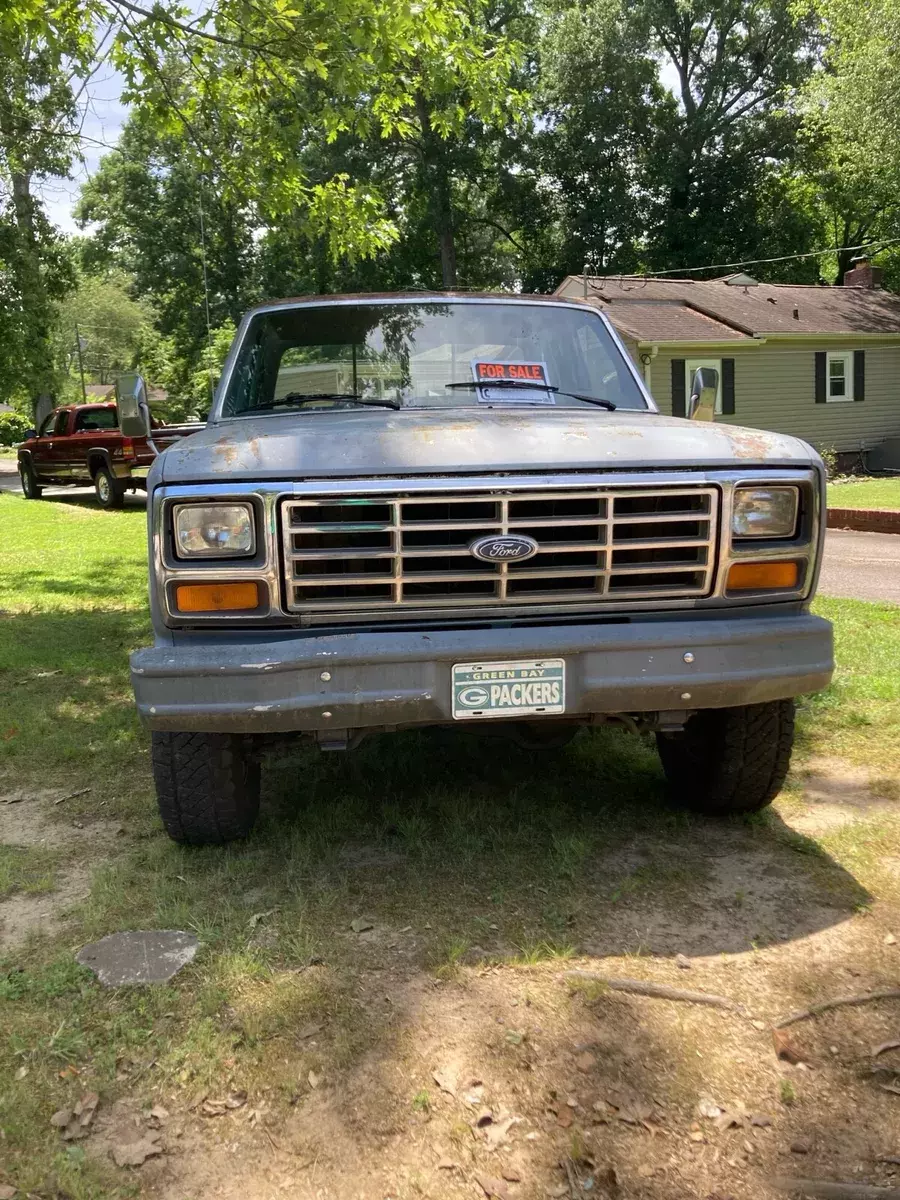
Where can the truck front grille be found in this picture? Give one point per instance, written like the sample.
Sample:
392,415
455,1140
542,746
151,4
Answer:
364,553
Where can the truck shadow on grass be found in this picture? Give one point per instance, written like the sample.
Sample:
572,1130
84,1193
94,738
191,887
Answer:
84,498
509,852
514,851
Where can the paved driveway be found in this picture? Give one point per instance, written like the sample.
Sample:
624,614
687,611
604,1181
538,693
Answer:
861,566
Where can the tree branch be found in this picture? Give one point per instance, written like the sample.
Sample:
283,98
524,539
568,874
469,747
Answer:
496,225
159,14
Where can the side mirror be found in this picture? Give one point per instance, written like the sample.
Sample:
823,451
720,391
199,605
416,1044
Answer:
29,434
704,389
131,400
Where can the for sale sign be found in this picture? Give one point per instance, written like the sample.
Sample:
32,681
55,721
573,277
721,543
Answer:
512,382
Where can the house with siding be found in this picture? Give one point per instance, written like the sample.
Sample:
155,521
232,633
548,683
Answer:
822,363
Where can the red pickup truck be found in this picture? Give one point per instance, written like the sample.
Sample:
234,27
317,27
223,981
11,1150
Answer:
82,445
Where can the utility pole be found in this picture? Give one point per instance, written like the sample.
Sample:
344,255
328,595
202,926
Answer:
80,364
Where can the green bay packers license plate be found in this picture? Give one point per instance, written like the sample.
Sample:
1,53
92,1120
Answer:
509,689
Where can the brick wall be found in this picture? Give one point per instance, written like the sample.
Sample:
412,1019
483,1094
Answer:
869,520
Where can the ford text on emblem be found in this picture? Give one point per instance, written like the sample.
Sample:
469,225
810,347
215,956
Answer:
507,547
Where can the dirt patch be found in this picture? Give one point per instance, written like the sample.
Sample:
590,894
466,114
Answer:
34,821
22,916
543,1087
837,793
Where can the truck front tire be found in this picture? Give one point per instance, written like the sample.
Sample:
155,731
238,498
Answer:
207,786
31,489
730,760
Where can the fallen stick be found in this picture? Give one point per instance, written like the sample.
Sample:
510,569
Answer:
72,796
658,991
824,1189
838,1002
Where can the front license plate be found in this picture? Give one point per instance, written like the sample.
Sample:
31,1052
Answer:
509,689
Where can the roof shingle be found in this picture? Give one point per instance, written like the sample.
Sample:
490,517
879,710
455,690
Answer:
756,310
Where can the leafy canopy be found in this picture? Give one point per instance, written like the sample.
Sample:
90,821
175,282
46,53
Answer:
252,85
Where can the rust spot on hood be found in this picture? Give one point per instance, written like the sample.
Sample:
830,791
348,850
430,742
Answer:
751,443
226,452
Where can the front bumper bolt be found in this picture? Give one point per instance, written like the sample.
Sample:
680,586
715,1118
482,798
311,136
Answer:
325,676
688,657
326,715
685,695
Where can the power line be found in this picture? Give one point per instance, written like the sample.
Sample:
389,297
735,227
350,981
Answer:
756,262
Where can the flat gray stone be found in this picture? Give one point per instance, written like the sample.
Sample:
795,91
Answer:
139,956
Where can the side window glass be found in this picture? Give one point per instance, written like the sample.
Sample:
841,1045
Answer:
47,425
93,419
62,423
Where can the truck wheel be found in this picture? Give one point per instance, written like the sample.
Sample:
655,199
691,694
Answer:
207,786
109,492
31,489
730,760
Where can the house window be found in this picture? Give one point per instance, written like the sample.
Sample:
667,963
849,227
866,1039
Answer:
839,382
691,365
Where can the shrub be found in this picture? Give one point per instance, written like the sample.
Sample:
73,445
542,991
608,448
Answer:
12,428
829,458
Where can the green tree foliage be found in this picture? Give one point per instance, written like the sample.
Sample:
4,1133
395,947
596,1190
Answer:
114,327
301,146
735,65
853,118
187,243
13,427
259,83
595,155
42,48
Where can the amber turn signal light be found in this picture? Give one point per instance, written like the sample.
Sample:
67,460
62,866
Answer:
762,576
216,597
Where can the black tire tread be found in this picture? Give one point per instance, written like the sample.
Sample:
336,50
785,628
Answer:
26,468
207,786
730,760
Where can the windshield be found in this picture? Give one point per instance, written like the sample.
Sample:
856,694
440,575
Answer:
427,355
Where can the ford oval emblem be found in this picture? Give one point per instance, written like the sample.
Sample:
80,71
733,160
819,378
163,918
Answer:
504,547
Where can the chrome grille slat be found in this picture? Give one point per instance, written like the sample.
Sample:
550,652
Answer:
612,561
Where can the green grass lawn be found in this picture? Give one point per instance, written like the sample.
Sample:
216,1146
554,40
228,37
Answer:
488,841
865,493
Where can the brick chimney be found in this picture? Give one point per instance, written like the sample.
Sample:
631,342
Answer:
862,274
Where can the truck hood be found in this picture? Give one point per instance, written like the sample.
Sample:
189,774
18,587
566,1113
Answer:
378,442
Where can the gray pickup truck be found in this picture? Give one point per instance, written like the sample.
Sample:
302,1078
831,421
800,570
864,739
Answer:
412,510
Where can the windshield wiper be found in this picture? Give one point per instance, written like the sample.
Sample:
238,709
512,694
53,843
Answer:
598,400
534,387
303,397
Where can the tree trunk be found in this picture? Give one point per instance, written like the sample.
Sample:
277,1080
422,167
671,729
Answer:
34,296
447,239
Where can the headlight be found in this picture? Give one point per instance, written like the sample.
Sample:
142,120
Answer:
764,512
213,530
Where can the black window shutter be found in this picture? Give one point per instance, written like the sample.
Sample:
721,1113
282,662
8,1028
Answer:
727,386
821,359
678,388
859,374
